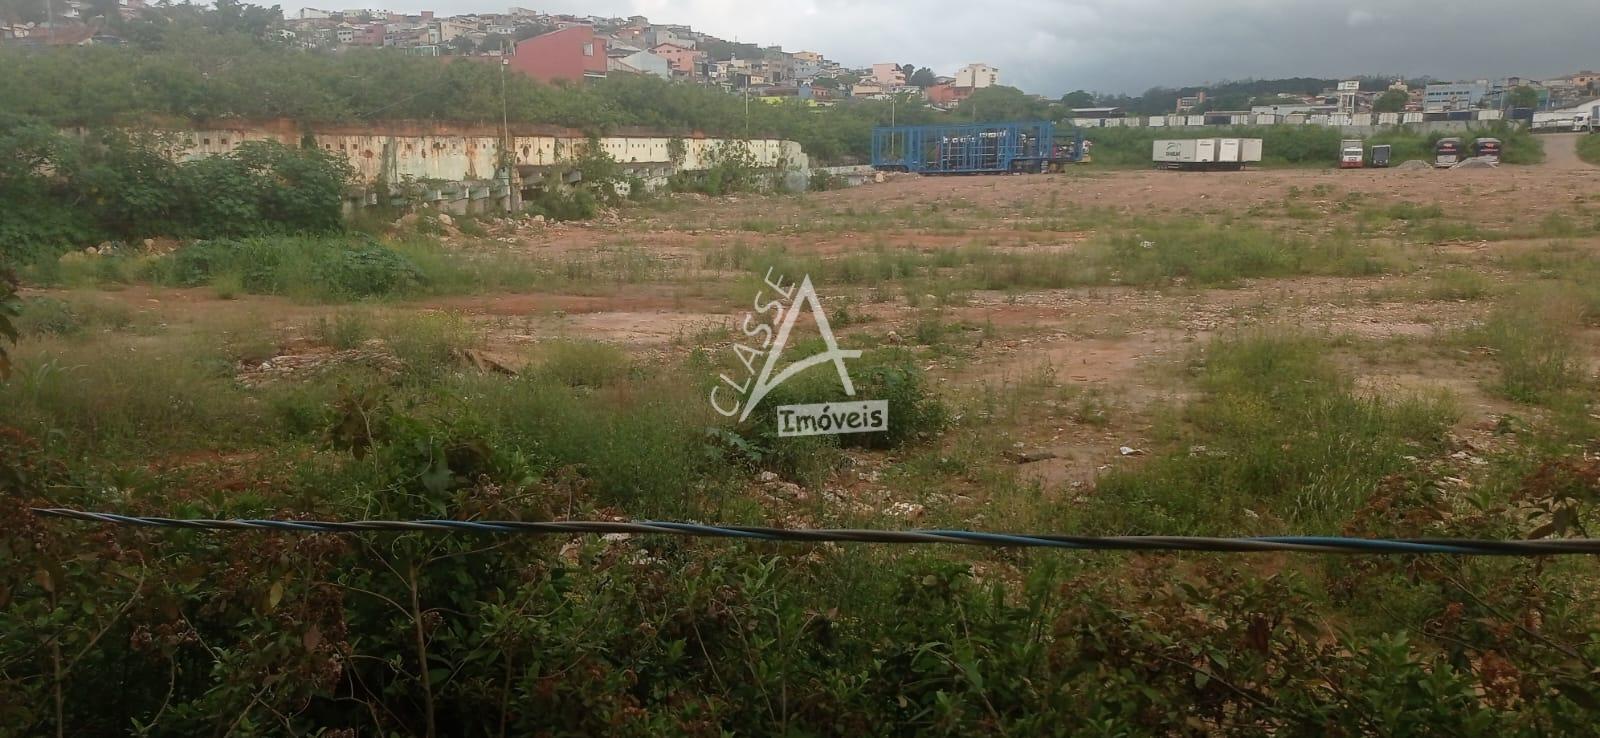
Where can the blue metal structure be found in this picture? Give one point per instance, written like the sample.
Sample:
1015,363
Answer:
974,148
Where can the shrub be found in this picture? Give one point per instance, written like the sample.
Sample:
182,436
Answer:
1589,149
329,268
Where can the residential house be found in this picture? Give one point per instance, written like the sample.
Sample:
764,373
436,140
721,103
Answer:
946,94
888,74
640,62
450,28
345,34
977,76
571,54
1190,102
868,89
680,35
808,56
684,60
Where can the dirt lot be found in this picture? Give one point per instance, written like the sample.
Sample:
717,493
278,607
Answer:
1121,346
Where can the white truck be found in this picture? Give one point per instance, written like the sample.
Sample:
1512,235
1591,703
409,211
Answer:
1556,120
1205,153
1352,153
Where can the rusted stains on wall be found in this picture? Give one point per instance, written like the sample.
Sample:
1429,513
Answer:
394,152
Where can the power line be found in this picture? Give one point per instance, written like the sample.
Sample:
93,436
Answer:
1253,544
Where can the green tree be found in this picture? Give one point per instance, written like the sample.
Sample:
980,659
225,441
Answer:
1522,96
1078,99
923,77
1391,101
1000,103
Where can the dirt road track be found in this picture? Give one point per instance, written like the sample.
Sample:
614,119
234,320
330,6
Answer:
1561,152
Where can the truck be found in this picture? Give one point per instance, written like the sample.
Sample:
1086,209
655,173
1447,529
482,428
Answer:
1229,154
1381,153
1447,152
974,148
1554,120
1352,153
1588,121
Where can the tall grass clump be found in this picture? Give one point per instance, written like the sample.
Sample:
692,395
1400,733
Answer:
1205,254
1532,339
1589,149
122,395
342,267
1278,437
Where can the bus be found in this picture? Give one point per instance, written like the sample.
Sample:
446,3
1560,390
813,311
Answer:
1447,153
1487,148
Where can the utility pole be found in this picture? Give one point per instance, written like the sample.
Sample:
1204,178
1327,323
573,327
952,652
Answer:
507,159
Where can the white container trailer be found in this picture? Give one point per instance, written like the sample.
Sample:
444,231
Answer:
1227,151
1157,121
1554,120
1173,151
1249,151
1339,119
1177,120
1411,118
1266,119
1388,119
1196,120
1295,119
1205,153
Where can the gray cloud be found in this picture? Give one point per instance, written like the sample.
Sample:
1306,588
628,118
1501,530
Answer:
1052,46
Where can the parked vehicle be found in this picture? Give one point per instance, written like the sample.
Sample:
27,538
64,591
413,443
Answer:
1447,153
1206,153
1554,120
1487,148
1381,154
1352,153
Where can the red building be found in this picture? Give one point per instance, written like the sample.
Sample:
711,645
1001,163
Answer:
572,54
948,94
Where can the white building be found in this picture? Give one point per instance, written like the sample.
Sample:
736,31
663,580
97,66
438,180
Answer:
977,75
314,14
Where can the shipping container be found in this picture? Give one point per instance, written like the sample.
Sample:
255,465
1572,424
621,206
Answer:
1411,117
1266,119
1205,153
1339,119
1228,150
1195,120
1490,115
1250,150
1295,119
1318,119
1388,119
1177,120
1157,121
1178,151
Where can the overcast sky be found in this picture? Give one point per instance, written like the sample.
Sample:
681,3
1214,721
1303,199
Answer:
1053,46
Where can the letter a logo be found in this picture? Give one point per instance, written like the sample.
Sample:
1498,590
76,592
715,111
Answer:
806,294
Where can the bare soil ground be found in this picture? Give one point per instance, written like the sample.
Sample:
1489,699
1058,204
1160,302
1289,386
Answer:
1122,346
